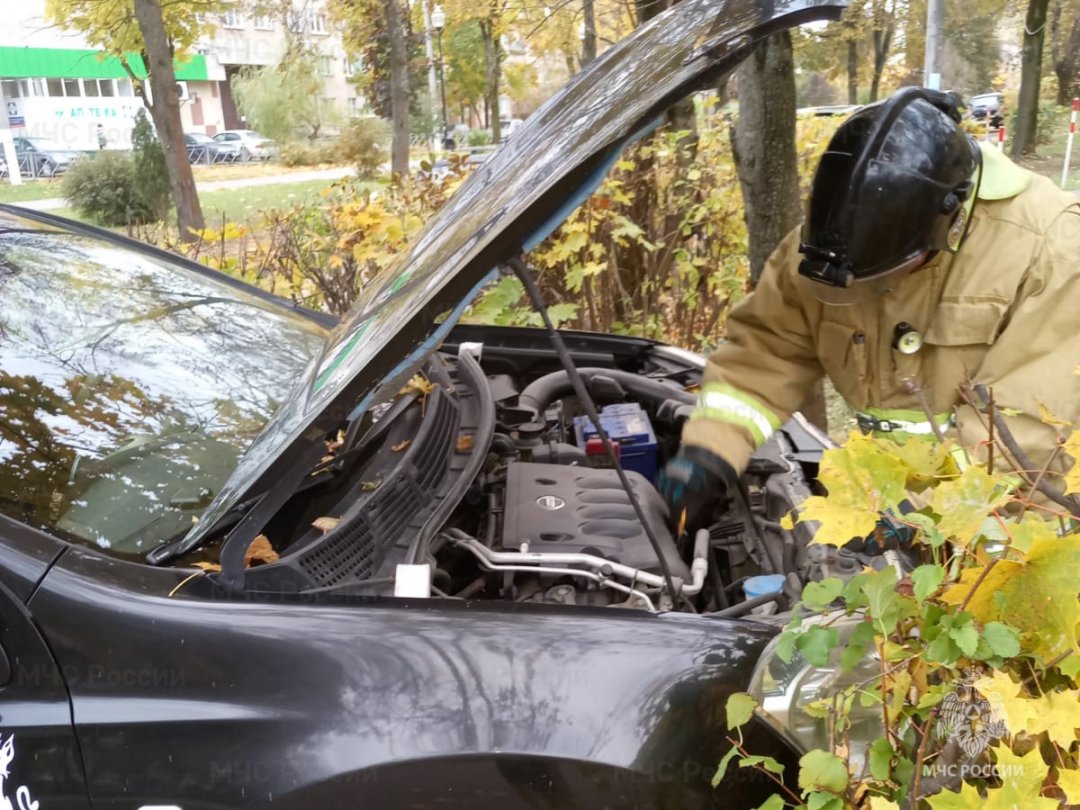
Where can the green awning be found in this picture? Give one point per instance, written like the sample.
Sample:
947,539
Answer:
70,63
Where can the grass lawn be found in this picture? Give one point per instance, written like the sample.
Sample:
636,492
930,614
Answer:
1049,157
238,171
29,190
244,204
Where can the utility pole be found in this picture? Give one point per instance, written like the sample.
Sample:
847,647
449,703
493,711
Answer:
7,144
935,43
429,49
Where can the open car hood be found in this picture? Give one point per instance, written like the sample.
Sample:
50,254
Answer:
534,181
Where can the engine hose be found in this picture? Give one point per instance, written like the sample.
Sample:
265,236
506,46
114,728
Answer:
750,604
540,393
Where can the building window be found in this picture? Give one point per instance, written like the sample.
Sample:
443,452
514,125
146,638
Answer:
124,88
11,88
232,19
71,88
90,87
55,87
353,66
264,23
37,88
317,24
354,106
106,87
326,66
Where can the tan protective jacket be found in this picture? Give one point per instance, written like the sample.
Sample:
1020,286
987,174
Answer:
1004,311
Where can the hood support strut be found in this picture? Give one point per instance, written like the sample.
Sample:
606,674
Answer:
521,270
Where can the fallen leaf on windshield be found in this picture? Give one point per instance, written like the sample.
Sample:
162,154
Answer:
210,567
417,385
369,486
397,448
326,524
464,443
333,445
260,551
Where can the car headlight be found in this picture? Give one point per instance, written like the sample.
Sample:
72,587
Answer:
787,693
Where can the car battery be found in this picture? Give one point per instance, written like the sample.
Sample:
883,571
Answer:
630,431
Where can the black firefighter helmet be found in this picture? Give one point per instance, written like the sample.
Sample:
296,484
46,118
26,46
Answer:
896,184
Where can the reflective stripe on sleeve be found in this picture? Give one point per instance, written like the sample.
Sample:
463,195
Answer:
911,423
724,403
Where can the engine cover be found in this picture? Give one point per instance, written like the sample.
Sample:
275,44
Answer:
585,510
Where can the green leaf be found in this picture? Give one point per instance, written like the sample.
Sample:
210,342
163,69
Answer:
882,600
721,769
881,754
824,801
1002,639
966,638
816,644
926,579
822,770
785,645
740,708
819,595
768,763
943,650
774,802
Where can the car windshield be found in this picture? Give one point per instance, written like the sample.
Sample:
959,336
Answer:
129,386
198,137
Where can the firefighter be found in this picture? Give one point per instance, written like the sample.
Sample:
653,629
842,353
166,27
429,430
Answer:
927,260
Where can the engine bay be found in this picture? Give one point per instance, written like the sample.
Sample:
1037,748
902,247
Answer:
483,479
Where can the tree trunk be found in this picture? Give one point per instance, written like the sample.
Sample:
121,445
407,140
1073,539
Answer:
1027,107
882,43
852,72
399,90
763,143
1065,56
588,34
492,72
165,111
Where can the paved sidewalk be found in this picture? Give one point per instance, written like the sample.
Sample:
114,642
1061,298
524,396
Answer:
52,203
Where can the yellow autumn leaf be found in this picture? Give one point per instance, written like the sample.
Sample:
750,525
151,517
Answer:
1072,477
965,501
1046,415
1004,692
1022,778
209,567
1069,782
418,385
1038,596
1059,716
967,798
927,462
863,480
881,803
1030,528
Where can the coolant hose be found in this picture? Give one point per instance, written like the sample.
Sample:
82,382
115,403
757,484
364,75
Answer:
540,393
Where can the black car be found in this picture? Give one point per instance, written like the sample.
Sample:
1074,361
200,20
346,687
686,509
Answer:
250,557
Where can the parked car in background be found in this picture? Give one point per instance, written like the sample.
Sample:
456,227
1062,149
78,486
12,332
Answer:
39,157
988,105
204,149
247,143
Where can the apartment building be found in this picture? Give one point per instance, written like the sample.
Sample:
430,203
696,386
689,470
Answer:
58,88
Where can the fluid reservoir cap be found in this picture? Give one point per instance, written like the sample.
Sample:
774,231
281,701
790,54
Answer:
763,585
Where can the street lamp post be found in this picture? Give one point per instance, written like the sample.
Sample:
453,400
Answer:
438,20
